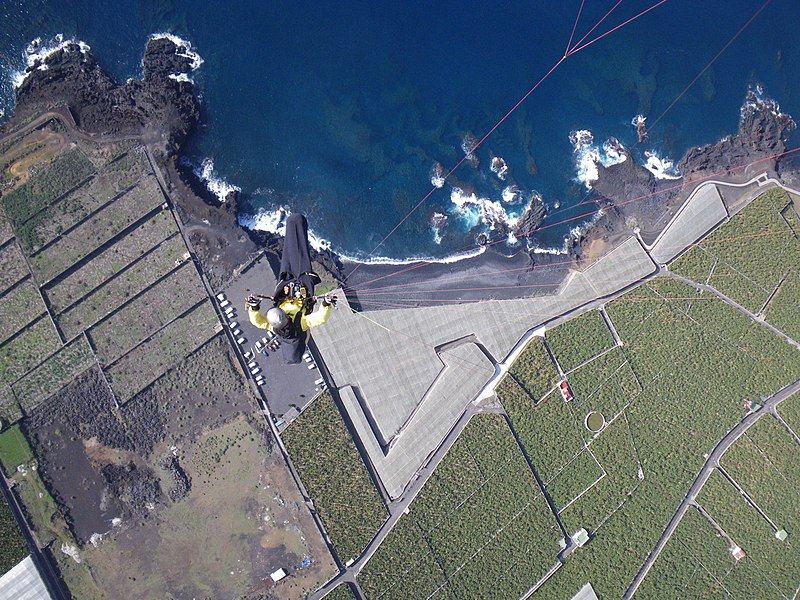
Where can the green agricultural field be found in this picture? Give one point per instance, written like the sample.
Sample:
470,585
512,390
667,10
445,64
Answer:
154,357
14,449
783,310
46,185
147,313
479,528
764,462
110,261
341,592
41,511
606,384
778,561
694,381
740,248
18,308
548,432
12,266
581,473
13,548
114,179
104,225
335,477
127,284
27,349
579,339
10,412
697,562
789,410
53,374
614,450
534,370
6,233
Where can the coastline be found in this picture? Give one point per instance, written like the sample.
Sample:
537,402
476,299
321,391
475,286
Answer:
162,110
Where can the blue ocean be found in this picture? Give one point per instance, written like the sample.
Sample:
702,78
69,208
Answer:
353,112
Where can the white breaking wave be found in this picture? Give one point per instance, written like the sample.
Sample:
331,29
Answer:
499,167
510,194
438,223
661,168
184,48
437,175
180,77
274,221
588,156
215,184
38,51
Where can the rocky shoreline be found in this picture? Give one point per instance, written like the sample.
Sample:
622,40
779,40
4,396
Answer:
162,110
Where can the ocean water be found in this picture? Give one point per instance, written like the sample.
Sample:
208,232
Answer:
343,110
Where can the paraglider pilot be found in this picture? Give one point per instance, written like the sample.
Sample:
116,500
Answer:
292,313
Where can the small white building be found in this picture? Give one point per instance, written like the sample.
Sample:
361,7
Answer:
278,575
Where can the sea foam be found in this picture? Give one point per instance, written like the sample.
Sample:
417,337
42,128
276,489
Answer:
274,221
661,168
588,156
37,52
184,48
215,184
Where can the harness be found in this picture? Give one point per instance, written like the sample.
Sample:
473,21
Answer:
292,288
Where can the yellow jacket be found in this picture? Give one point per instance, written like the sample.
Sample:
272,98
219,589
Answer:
291,307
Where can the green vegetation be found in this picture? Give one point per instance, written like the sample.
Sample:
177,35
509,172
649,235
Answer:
110,261
14,449
776,560
534,370
41,510
548,432
789,410
53,374
13,548
742,272
694,380
106,224
10,412
782,310
764,463
155,307
341,592
154,357
18,308
697,562
606,384
614,450
127,284
12,266
479,528
335,477
575,478
48,224
579,339
46,185
27,349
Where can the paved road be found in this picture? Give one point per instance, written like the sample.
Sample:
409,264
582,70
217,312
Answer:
711,463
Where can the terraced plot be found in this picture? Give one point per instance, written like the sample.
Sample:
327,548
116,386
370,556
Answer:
12,266
50,182
115,178
10,411
53,374
126,284
12,545
27,349
101,228
335,477
479,528
579,339
548,432
698,562
789,410
778,561
19,307
534,370
154,357
110,261
740,248
783,309
147,313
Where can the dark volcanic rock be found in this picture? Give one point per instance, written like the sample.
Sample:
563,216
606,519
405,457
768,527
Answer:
623,181
763,132
531,219
158,107
183,482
